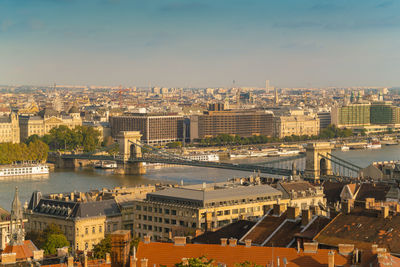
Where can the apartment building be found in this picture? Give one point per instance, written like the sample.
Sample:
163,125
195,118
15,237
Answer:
84,220
296,124
244,123
9,129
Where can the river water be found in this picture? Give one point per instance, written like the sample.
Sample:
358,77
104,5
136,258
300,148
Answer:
83,180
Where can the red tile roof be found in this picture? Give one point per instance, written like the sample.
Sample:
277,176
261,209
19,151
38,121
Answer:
22,252
168,254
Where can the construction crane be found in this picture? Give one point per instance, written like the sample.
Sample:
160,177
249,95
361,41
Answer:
120,91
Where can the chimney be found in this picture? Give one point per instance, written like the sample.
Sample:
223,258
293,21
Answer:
310,247
8,258
146,239
346,206
85,261
247,243
179,240
232,242
369,203
70,261
132,261
293,213
143,262
374,248
279,209
224,242
305,217
385,212
331,258
346,249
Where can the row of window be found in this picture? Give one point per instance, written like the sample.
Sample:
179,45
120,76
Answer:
156,210
233,211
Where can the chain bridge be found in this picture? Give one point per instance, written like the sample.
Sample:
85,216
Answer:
316,163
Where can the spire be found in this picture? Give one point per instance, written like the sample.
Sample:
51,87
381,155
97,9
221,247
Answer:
16,207
16,225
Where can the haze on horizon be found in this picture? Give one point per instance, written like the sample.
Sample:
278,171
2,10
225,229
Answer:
186,43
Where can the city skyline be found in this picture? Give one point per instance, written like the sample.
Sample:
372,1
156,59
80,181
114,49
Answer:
200,44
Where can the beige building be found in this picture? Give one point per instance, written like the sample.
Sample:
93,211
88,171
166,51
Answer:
47,120
296,123
9,129
185,210
84,221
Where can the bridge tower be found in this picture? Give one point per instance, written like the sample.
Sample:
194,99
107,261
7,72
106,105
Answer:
128,150
316,165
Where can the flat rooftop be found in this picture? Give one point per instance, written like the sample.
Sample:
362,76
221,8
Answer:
205,194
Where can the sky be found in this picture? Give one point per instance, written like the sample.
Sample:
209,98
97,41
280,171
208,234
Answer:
205,43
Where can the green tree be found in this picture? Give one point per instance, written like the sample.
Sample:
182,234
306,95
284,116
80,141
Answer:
197,262
53,242
103,247
174,145
247,264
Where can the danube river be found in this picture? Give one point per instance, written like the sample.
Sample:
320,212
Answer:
83,180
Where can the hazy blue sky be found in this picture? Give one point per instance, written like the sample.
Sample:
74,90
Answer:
201,43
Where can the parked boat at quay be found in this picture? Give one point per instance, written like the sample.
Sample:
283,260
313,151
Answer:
23,170
106,164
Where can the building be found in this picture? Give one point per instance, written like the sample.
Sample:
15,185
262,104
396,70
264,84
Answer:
324,120
229,253
155,128
9,129
244,123
370,117
183,210
85,219
296,123
47,120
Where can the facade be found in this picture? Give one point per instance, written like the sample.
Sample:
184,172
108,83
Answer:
183,210
244,123
155,128
324,119
373,117
47,120
293,124
9,129
84,221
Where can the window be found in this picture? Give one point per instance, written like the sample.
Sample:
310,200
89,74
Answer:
115,226
173,212
93,230
235,211
138,207
145,217
150,218
173,221
166,221
243,210
219,213
150,209
144,208
166,211
181,223
100,229
86,246
159,210
86,231
227,212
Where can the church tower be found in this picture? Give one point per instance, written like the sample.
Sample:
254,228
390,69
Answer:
17,234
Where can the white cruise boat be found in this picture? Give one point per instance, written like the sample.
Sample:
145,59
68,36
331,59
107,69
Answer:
203,157
106,164
345,148
23,170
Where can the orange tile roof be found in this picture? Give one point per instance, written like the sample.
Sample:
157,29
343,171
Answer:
169,254
22,252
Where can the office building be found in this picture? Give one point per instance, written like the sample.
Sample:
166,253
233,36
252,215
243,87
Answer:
324,119
155,128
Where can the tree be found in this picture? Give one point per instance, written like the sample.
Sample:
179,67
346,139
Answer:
53,242
39,238
100,249
247,264
197,262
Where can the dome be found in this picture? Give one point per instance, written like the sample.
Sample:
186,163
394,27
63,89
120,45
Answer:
74,109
